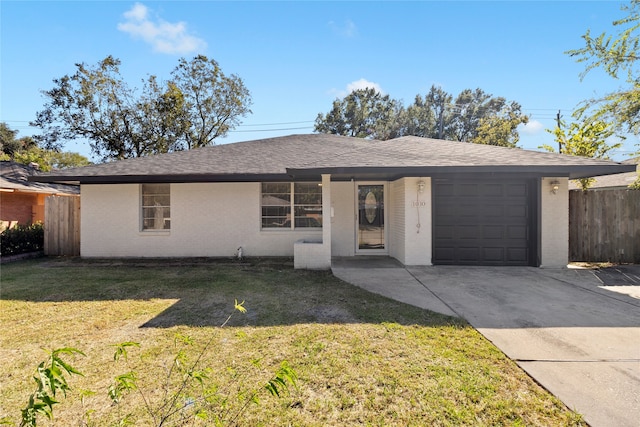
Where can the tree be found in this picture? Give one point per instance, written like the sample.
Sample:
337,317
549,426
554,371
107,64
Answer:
475,116
618,56
429,116
586,139
95,103
10,143
469,107
162,116
25,151
501,128
364,113
50,159
213,103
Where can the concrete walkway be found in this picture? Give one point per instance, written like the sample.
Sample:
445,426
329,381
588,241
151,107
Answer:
574,336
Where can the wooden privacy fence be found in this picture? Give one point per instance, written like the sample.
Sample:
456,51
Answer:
62,226
604,225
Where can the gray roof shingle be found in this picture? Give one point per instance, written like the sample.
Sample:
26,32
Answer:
619,180
306,156
15,176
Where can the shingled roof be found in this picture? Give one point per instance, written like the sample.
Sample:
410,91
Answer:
308,156
14,177
619,180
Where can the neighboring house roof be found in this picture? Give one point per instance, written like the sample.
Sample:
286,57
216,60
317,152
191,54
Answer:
619,180
308,156
14,177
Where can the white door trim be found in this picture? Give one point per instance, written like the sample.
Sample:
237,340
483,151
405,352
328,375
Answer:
385,197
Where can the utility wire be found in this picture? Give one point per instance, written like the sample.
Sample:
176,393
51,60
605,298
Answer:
269,130
278,124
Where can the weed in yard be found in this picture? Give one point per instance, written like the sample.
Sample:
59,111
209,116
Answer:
188,393
360,358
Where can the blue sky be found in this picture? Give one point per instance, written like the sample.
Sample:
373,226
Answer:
297,57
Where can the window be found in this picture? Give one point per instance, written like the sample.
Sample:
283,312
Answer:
156,207
279,200
307,198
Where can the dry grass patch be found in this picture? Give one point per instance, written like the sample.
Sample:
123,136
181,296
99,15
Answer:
361,359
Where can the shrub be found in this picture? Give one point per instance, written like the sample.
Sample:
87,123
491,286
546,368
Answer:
21,239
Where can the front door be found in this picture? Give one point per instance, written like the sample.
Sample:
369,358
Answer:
371,234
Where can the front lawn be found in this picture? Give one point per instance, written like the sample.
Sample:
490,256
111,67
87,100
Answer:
361,359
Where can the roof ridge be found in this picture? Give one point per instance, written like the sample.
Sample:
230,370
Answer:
419,139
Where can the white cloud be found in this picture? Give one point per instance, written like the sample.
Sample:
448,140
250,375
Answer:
358,84
347,29
137,13
532,128
163,36
363,84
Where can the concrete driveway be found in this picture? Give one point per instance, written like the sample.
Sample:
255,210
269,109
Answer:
574,336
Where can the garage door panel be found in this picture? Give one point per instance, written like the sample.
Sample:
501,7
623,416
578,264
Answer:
493,232
467,190
491,190
469,254
517,255
493,255
489,211
445,254
444,232
517,232
513,190
516,211
468,232
492,220
483,222
446,190
466,210
443,211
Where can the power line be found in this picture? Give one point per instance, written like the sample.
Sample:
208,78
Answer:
22,127
269,130
550,115
279,124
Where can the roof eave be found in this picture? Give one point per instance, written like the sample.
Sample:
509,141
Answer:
368,172
166,178
344,173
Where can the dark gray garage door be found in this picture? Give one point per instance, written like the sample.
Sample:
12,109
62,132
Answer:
483,222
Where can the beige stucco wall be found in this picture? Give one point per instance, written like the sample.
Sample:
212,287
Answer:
554,224
396,226
214,219
417,241
343,221
206,220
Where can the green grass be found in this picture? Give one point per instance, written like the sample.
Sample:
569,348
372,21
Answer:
361,359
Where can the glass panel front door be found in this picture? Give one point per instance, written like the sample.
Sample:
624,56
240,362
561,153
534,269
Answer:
371,217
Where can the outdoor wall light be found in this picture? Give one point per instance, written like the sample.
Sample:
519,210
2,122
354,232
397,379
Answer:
555,186
421,186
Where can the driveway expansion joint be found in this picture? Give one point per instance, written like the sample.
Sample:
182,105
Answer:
434,294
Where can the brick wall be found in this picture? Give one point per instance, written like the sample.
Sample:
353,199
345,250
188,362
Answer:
17,208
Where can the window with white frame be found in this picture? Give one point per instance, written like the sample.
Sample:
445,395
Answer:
156,206
282,201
